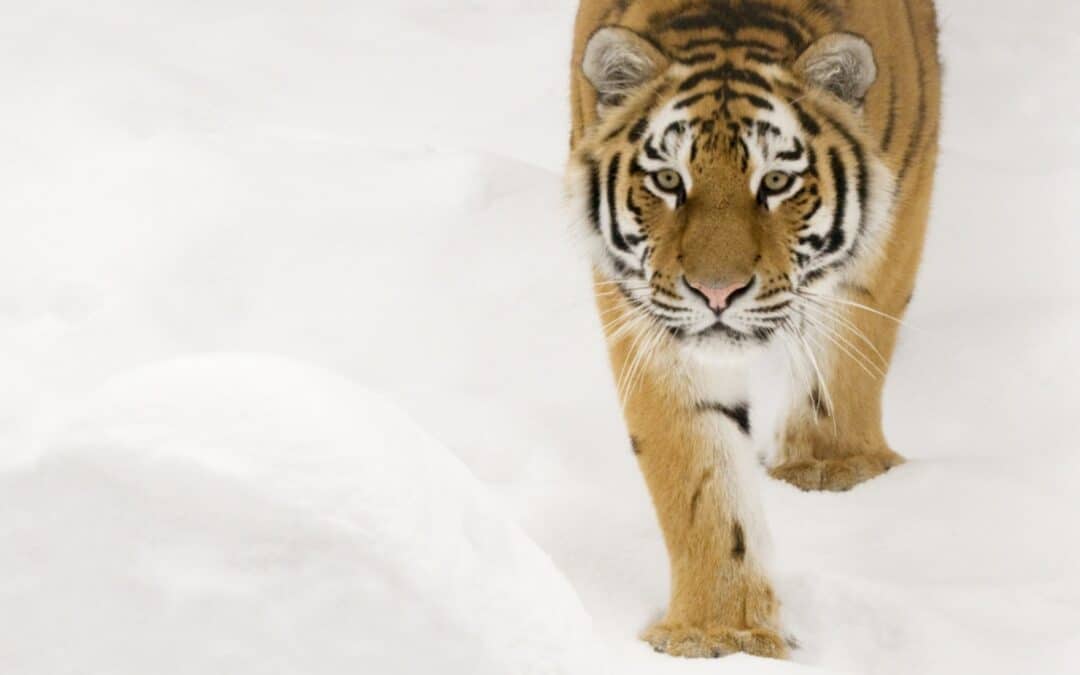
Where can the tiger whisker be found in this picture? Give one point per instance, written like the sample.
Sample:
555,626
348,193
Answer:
649,354
626,326
858,305
639,315
844,346
622,283
622,387
626,378
835,315
817,370
626,313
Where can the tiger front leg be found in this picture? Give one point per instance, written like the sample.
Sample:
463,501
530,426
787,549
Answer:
699,468
833,439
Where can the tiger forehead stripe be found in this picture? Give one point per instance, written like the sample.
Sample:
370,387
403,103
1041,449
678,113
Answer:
726,44
747,15
726,72
725,94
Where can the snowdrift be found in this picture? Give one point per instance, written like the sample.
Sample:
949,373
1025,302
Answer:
245,514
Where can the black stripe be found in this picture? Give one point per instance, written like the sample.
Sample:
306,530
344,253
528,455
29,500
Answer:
746,16
669,308
835,237
771,308
725,94
792,17
612,100
632,205
811,166
890,125
624,271
813,241
638,130
826,8
773,293
813,211
667,293
818,404
755,101
738,546
651,152
726,72
790,89
689,101
793,155
645,255
744,154
692,100
860,161
696,498
761,57
594,194
809,124
695,59
614,134
724,43
676,129
613,176
739,413
920,120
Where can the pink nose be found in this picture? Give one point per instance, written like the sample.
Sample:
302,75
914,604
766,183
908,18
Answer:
718,297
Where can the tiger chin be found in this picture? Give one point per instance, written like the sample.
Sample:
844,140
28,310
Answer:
752,179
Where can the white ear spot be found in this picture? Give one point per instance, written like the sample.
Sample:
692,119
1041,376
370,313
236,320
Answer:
617,61
841,64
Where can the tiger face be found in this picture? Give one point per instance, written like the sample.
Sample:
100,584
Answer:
719,194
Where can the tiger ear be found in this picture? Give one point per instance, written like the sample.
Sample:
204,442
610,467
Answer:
841,64
617,61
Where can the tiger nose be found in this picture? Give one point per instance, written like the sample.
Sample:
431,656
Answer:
719,295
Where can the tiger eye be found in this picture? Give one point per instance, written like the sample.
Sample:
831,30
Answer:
668,179
776,181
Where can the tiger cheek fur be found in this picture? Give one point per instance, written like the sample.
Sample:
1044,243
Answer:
748,172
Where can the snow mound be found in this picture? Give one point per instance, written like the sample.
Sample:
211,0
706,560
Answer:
247,514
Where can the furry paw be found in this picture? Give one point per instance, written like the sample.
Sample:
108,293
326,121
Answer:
710,642
837,474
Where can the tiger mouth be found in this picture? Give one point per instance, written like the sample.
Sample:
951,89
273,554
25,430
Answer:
720,329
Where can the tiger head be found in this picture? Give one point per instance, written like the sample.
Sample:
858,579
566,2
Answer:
720,191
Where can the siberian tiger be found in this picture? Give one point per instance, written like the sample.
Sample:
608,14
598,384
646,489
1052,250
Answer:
749,173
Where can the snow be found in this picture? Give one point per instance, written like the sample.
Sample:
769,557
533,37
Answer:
227,224
280,519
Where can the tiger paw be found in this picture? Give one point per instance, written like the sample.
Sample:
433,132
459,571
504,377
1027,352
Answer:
837,474
714,641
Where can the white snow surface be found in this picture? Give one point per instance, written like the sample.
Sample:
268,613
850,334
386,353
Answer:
279,519
225,225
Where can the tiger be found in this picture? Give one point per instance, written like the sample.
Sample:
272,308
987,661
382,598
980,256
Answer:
752,180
